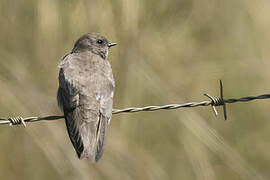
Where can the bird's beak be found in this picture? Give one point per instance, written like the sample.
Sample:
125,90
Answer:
111,44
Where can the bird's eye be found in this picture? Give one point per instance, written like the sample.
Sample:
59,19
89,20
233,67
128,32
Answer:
99,41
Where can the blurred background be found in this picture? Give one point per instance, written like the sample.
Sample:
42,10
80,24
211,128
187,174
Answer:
169,51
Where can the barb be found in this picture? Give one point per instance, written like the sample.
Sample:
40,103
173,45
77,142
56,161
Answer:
214,101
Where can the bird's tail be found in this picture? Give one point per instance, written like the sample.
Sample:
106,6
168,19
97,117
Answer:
94,150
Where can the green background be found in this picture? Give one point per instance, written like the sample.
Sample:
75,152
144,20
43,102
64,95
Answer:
168,52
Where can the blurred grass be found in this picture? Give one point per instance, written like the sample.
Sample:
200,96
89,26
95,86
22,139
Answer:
167,52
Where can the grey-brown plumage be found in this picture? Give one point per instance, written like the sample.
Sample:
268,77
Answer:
85,94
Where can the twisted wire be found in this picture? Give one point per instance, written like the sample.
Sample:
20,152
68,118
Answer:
217,102
165,107
248,98
214,101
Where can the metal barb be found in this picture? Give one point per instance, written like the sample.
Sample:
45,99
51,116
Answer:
221,97
218,101
16,121
213,103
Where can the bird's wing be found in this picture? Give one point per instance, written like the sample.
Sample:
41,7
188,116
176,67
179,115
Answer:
106,103
68,100
87,115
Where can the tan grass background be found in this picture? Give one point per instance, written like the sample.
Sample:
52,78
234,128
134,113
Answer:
169,51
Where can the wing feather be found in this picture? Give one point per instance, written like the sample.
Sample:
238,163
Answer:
68,99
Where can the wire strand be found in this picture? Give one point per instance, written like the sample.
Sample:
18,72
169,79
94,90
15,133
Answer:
214,101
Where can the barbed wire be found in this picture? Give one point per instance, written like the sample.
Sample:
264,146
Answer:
214,101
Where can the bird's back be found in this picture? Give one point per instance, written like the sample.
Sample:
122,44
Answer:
85,95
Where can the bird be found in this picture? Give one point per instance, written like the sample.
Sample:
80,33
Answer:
85,94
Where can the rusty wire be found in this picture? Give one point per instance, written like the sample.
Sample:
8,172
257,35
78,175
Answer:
214,101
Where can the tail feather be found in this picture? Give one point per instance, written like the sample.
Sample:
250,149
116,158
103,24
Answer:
93,150
101,134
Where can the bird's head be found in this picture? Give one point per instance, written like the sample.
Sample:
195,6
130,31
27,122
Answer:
93,42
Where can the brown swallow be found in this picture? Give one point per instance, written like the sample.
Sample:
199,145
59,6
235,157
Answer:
85,94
